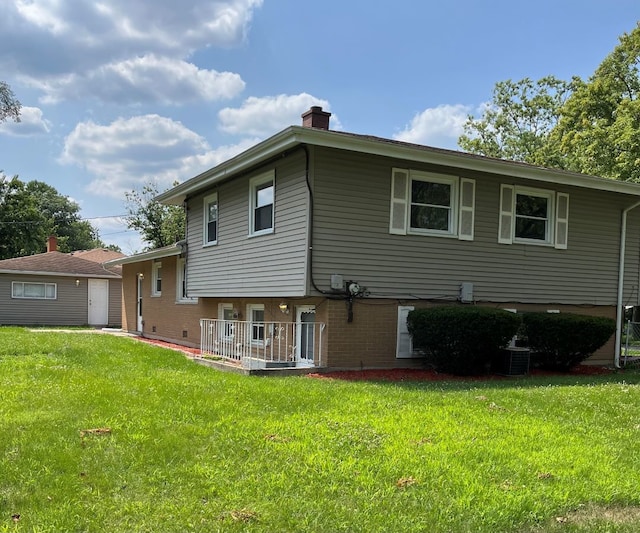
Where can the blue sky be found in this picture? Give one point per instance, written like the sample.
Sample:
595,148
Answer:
119,93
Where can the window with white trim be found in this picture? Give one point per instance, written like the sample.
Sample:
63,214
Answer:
181,277
210,229
533,216
34,291
262,201
156,279
425,203
255,315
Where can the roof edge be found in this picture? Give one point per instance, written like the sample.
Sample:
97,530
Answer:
296,135
158,253
106,275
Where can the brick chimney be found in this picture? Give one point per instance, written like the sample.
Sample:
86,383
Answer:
52,243
316,118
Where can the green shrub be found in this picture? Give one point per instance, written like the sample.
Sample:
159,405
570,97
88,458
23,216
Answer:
559,341
459,339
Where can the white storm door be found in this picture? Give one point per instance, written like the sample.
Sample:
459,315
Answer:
98,302
404,346
139,306
305,334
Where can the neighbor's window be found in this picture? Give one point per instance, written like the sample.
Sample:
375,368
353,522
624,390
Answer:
181,288
35,291
262,191
211,219
255,314
156,282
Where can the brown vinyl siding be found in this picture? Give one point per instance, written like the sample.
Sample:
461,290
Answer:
244,266
351,237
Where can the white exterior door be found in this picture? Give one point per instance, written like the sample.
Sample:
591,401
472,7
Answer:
404,346
139,305
305,334
98,302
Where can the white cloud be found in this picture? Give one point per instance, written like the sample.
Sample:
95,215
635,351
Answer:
31,123
195,164
121,27
264,116
114,47
130,152
149,78
437,126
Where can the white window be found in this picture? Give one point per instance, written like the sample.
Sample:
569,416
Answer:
533,216
262,190
181,277
34,291
210,230
255,315
156,279
425,203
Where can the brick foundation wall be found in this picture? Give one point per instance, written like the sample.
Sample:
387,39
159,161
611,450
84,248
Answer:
370,340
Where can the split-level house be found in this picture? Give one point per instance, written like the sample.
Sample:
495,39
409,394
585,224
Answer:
311,247
61,289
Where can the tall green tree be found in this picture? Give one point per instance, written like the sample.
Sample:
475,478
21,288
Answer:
159,225
599,130
30,212
518,122
62,218
21,230
9,104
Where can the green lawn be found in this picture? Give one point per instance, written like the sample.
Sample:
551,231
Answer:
193,449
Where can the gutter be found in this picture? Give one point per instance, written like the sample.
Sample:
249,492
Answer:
157,253
620,310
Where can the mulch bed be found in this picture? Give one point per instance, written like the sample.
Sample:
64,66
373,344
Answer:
178,347
414,374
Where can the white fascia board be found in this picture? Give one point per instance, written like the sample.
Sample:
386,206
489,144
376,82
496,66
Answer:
297,135
462,160
159,253
57,274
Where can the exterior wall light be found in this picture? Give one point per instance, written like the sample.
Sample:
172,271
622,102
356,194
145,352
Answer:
284,307
77,283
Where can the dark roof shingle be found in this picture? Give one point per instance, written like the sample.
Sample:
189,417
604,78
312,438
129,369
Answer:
57,263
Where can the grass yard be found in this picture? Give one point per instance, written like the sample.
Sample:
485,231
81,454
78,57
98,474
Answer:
101,433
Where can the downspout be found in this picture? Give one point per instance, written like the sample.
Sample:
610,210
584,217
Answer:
310,225
619,309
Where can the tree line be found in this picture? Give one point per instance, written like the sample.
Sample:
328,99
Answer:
31,211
